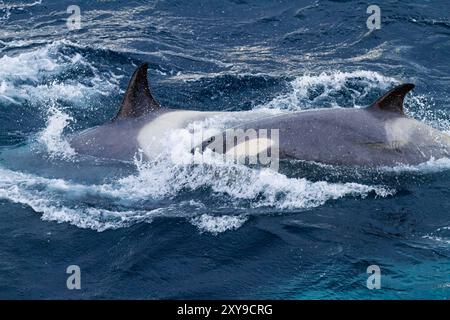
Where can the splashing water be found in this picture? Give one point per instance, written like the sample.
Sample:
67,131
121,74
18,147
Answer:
24,77
52,135
312,91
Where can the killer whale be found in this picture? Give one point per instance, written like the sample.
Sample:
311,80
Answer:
378,135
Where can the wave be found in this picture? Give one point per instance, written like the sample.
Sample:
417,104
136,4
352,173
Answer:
430,166
6,8
33,76
331,89
216,225
244,188
54,82
440,236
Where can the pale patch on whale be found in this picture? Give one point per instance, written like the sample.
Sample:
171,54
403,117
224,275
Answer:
152,138
251,148
399,131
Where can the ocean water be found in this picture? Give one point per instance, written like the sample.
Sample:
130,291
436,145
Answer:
175,229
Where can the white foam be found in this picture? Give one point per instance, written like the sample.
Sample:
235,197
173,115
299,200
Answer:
218,224
262,187
62,201
441,235
151,137
437,239
52,135
298,97
430,166
424,109
23,77
47,196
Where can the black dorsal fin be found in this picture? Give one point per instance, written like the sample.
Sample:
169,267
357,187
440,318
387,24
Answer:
392,101
137,100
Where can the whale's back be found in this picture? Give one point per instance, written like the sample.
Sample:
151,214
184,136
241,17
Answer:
357,137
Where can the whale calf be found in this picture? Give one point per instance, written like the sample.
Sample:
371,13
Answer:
378,135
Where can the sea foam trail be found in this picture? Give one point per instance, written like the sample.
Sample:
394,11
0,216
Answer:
64,201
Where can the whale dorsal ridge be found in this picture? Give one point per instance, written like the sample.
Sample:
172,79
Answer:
137,100
392,101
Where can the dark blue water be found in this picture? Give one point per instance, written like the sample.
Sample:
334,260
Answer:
174,229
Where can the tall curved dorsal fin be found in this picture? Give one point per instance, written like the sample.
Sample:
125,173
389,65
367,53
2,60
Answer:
137,100
392,101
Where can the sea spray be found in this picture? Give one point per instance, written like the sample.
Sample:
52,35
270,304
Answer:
52,136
